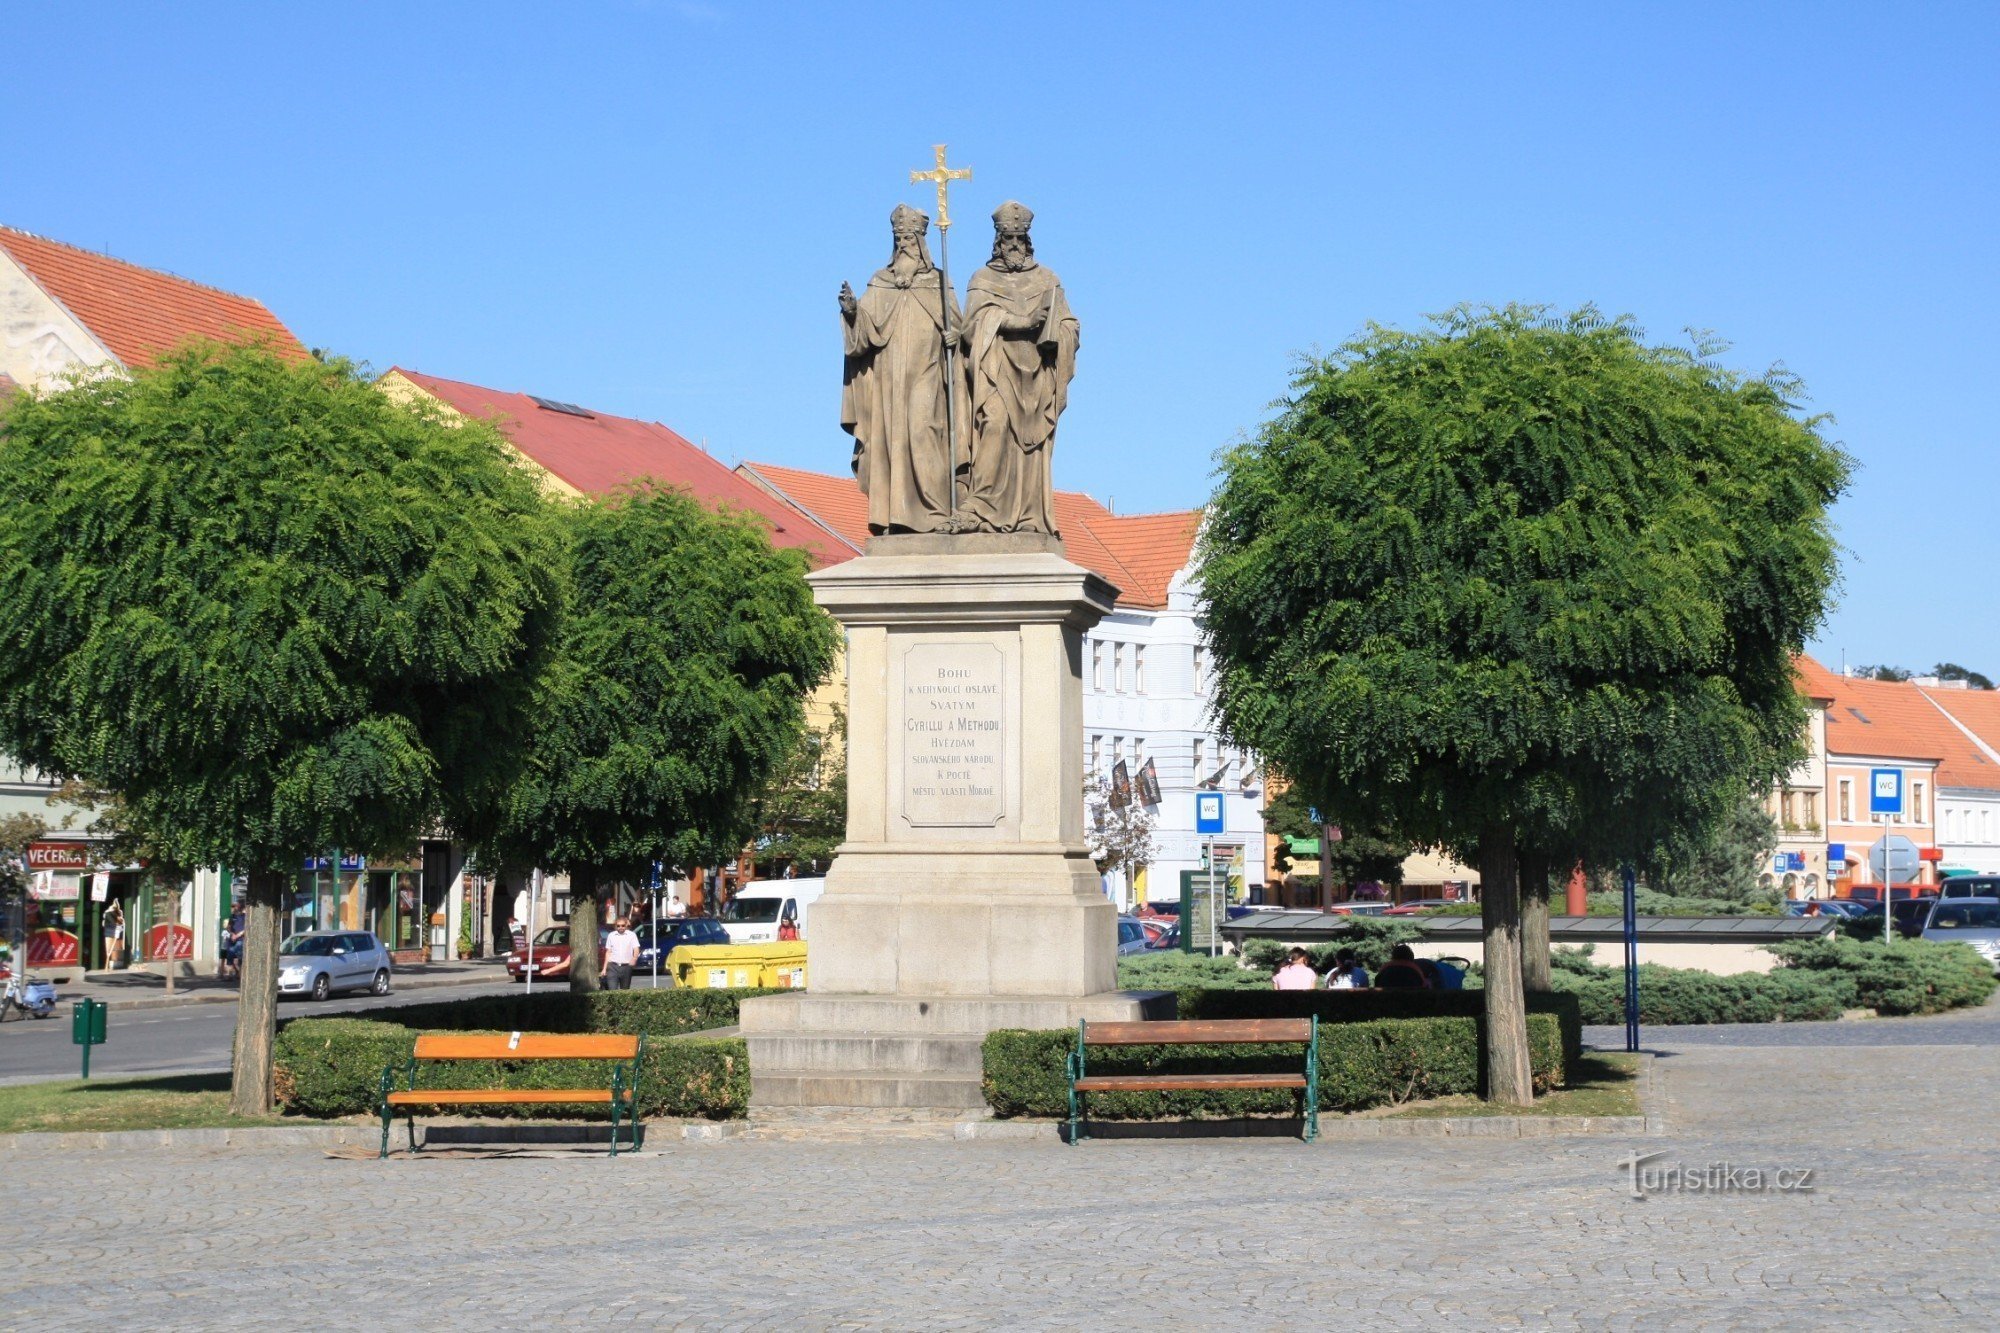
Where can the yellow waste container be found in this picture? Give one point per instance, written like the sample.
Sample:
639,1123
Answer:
724,966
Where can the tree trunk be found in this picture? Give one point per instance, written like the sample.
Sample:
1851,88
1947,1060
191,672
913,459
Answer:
1535,923
583,950
1325,867
257,997
173,919
1509,1081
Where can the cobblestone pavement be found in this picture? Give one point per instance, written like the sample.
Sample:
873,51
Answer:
1899,1225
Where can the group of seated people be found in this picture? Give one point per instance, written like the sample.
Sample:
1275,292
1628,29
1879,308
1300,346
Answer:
1403,971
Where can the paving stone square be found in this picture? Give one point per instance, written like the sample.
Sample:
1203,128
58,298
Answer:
1898,1226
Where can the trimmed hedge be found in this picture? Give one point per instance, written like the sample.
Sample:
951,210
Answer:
330,1067
1361,1064
655,1013
1339,1008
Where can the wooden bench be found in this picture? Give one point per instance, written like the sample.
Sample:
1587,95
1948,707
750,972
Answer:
1220,1032
622,1096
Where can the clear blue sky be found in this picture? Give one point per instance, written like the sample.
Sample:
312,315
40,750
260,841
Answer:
648,207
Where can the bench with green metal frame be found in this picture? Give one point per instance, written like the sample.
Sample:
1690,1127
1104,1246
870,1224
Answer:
622,1096
1217,1032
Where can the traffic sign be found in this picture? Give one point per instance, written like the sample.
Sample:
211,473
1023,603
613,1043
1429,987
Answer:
1208,812
1894,858
1885,791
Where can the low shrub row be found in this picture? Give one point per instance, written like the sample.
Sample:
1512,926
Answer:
655,1013
1361,1064
333,1067
1817,980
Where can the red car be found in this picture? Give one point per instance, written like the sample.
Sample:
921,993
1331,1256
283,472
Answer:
551,956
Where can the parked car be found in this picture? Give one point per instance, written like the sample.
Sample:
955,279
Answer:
1969,886
1155,926
1974,921
1133,936
1417,906
1839,908
766,910
1910,915
551,955
1170,938
320,962
673,934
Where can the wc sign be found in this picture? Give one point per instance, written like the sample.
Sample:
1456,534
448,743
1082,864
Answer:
1885,791
1208,812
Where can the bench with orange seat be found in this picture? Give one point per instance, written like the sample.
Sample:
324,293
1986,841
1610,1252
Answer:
1215,1032
622,1095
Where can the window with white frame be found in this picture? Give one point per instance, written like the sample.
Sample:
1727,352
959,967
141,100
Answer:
1117,750
1096,753
1846,790
1812,808
1097,666
1138,753
1118,668
1199,775
1138,668
1917,803
1201,671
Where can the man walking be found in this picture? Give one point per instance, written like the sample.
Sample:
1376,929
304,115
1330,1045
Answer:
621,951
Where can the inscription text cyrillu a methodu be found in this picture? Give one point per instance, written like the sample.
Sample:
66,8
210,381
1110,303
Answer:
953,734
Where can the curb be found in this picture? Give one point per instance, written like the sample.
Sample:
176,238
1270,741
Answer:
1652,1122
118,1004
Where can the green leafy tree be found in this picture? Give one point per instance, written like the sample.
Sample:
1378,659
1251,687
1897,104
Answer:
1521,581
274,611
1720,860
1953,671
677,692
1357,856
799,814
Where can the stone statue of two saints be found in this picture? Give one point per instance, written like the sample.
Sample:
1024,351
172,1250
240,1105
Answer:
1014,349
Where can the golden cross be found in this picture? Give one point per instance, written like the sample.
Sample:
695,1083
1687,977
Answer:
942,175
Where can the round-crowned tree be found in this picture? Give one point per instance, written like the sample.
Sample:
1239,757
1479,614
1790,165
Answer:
1521,582
273,610
677,691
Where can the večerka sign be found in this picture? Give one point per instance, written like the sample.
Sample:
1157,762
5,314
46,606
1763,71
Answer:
954,735
58,856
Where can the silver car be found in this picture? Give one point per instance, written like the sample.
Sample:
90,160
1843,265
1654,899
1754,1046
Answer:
1974,921
321,962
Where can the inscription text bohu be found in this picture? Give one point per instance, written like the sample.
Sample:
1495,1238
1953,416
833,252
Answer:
954,743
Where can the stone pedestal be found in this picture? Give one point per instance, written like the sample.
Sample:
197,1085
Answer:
964,898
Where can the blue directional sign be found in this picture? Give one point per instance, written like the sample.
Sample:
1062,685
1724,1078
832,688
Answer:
1208,812
1885,791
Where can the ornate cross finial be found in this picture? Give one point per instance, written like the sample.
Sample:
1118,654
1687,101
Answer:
942,175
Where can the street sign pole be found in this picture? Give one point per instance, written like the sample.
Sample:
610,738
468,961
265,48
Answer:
1885,798
1631,878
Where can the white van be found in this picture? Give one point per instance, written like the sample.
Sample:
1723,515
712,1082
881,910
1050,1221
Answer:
762,907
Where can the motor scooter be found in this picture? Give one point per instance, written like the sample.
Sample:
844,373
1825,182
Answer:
31,996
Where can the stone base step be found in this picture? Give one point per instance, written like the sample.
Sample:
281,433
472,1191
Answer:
827,1089
872,1015
951,1056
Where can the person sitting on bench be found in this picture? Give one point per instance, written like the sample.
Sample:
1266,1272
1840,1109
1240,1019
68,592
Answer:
1296,974
1401,972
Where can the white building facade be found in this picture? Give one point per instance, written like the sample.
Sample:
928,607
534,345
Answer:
1148,698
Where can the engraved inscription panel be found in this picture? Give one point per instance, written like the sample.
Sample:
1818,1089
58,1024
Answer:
954,735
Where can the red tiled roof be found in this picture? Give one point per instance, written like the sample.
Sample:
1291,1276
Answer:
835,502
1978,711
1882,719
599,453
140,312
1139,553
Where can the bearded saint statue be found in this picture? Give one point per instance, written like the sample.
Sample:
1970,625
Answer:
1020,344
893,399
